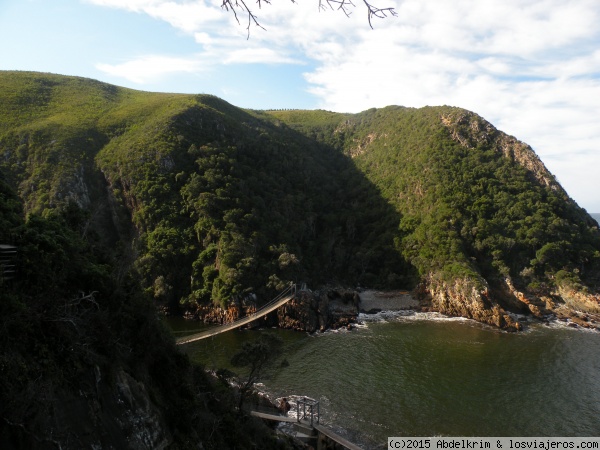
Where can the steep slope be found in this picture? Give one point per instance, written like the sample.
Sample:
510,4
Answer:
213,204
84,361
485,223
222,202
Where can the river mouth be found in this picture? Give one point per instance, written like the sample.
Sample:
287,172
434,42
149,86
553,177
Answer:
420,374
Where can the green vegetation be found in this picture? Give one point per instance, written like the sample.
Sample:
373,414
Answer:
84,360
220,202
255,357
118,199
467,209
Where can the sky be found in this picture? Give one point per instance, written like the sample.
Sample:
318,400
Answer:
530,67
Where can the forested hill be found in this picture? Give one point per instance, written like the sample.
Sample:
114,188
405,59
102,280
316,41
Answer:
210,202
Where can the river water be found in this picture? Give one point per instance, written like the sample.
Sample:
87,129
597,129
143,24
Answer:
424,375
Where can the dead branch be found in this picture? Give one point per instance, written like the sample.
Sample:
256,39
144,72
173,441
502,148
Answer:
380,13
343,5
73,311
233,5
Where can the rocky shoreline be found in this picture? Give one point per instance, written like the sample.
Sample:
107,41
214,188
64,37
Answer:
335,307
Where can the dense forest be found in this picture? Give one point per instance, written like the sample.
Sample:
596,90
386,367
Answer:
84,360
210,202
120,200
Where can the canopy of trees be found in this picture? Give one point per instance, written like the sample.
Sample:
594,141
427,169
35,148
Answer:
211,203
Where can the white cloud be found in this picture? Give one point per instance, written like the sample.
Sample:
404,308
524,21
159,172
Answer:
130,5
258,55
531,67
151,68
187,16
222,38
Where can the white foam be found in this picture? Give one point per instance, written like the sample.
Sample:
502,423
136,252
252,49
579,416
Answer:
408,315
558,324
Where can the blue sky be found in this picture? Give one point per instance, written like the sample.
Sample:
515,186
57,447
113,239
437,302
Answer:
530,67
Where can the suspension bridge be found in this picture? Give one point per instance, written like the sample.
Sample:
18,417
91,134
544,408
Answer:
278,301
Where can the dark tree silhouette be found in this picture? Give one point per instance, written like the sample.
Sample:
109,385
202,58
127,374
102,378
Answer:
255,357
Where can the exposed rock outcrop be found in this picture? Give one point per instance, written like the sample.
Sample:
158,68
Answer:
221,316
495,305
319,310
309,311
465,297
579,300
471,130
475,299
578,307
516,300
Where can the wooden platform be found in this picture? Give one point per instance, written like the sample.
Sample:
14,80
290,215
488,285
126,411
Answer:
273,417
320,428
336,437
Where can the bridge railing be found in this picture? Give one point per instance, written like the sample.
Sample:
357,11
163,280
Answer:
290,291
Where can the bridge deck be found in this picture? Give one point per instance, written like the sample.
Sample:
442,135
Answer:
336,437
238,323
273,417
320,428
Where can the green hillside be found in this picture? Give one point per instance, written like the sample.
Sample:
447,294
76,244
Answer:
210,202
119,200
471,199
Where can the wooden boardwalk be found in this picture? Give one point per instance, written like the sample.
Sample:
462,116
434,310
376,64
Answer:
319,428
336,437
273,417
282,299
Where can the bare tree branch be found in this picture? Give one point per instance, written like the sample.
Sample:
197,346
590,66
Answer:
344,5
232,5
380,13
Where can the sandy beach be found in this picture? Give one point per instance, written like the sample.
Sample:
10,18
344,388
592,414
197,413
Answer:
387,301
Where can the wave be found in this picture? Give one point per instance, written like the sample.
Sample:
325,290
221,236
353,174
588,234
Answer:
408,315
529,323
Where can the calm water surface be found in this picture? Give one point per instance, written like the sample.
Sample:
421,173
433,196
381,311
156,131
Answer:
424,376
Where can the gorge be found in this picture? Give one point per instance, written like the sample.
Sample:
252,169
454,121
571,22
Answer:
121,201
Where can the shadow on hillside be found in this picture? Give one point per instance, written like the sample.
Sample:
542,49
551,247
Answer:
311,200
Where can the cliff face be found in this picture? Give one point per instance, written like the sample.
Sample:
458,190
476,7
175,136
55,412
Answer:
502,305
471,130
464,297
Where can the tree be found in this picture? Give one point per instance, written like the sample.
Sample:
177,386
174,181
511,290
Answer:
341,5
256,356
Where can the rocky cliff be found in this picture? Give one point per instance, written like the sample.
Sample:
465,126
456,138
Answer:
320,310
505,307
467,298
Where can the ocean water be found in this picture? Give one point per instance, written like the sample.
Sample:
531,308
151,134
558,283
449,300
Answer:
421,374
